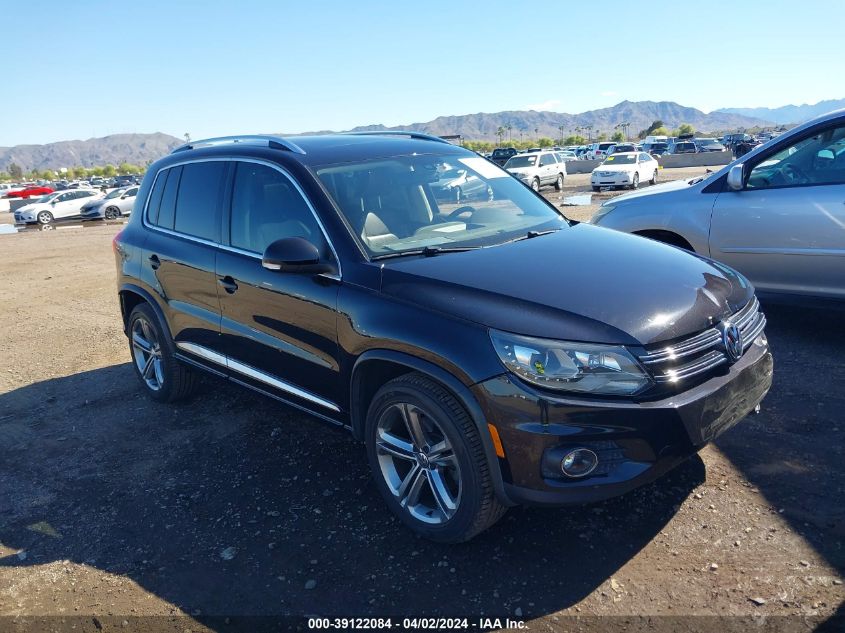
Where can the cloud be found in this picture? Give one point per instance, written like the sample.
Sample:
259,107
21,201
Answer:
551,104
609,93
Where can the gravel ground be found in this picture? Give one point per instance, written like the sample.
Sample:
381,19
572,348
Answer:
112,506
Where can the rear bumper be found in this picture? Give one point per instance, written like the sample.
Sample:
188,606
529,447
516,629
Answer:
636,442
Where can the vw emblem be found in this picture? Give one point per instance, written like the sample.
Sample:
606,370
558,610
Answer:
732,340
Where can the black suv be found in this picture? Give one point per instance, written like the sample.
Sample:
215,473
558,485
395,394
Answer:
487,351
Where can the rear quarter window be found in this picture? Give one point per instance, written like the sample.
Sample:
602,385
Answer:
167,207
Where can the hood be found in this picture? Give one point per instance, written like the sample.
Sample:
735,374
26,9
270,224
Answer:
663,187
619,167
582,283
28,207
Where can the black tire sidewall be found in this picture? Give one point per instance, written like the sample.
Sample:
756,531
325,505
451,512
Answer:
470,502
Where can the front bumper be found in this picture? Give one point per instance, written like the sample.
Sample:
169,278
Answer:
616,179
636,441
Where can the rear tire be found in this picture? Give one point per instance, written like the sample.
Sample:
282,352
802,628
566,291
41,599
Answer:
163,377
428,461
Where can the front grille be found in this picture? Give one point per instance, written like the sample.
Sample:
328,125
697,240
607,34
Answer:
702,352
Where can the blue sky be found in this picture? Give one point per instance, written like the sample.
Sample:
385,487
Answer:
209,68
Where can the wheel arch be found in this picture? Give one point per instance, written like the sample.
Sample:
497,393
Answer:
130,296
667,237
374,368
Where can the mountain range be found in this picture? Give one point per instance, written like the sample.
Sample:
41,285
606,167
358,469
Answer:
137,149
789,113
533,124
142,148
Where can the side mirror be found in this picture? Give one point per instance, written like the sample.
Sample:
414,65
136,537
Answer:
735,177
294,255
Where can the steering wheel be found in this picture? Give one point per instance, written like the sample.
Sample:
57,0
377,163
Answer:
795,174
459,211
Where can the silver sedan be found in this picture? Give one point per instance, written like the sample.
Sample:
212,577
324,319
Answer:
116,204
777,214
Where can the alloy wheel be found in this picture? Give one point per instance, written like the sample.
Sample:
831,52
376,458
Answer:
146,352
418,463
45,217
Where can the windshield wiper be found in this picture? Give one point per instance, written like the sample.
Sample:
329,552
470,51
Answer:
529,235
428,251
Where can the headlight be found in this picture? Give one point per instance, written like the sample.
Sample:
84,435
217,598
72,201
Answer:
566,366
603,211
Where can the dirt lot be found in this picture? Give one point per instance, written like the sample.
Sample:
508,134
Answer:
112,506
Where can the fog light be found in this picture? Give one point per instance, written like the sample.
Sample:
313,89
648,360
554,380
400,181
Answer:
579,462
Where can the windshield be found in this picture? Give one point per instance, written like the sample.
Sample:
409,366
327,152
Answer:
399,204
521,161
46,198
115,194
620,159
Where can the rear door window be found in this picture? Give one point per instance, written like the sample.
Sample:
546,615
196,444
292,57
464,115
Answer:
198,201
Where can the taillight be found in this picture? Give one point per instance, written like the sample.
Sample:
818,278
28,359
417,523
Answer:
115,243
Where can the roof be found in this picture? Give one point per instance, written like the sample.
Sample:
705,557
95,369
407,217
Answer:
327,148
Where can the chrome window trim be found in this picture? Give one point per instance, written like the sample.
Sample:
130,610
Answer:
232,159
255,374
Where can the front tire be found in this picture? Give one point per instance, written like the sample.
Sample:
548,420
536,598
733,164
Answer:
45,217
163,377
559,182
535,184
653,180
635,182
111,213
428,461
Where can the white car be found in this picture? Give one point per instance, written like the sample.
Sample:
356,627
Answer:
60,204
8,188
536,169
598,151
626,169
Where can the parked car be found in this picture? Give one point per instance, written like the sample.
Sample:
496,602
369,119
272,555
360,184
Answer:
54,206
626,169
457,185
476,378
683,147
709,145
656,149
538,169
8,188
30,191
115,204
598,151
621,147
776,214
565,156
501,155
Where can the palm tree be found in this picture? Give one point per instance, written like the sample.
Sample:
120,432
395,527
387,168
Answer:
500,132
509,128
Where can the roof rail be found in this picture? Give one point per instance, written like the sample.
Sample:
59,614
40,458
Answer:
274,142
422,136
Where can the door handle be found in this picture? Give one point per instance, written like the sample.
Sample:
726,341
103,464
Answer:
229,284
155,262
